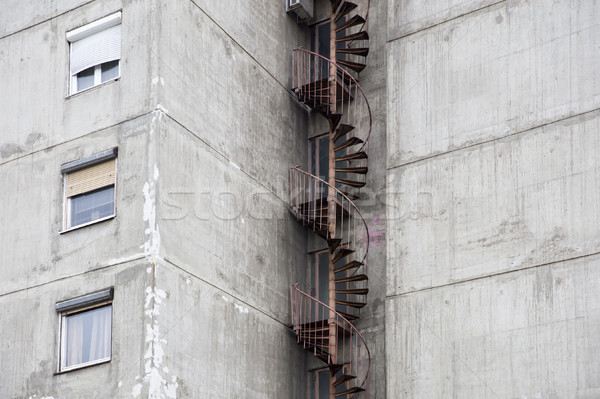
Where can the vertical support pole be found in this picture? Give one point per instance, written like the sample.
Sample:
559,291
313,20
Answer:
331,214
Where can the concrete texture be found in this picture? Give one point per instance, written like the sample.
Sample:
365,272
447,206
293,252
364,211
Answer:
482,188
492,73
193,296
529,334
492,194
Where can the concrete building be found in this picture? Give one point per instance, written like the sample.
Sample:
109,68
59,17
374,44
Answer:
144,193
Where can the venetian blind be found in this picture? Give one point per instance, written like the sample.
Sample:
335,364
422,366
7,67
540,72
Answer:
92,178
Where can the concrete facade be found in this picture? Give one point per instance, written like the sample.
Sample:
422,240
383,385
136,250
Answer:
492,261
483,183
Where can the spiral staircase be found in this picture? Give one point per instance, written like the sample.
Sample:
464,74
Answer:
330,87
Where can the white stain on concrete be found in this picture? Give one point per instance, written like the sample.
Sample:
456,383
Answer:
137,390
158,79
159,386
152,245
240,308
125,259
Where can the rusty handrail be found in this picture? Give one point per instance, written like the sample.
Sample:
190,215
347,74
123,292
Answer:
345,73
344,196
296,325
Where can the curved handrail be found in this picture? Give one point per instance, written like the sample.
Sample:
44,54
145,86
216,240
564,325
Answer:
296,324
300,67
338,192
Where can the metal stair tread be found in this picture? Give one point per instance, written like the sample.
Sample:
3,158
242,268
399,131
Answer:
356,277
343,378
349,265
352,156
355,66
353,304
354,36
355,20
345,8
352,183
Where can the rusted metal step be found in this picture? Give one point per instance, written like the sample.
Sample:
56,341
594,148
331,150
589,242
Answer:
343,378
344,10
353,156
356,277
362,51
352,183
335,367
354,36
348,316
350,265
350,142
334,119
354,291
341,253
359,170
341,130
356,305
333,244
355,66
355,20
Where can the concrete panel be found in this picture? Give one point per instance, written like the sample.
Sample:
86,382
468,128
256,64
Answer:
225,98
32,211
217,346
518,202
526,334
219,224
501,70
406,17
29,331
262,29
17,14
36,111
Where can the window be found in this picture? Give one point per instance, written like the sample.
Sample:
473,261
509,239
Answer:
89,187
95,53
85,325
318,156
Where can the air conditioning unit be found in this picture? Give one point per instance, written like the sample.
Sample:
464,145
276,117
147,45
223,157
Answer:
302,8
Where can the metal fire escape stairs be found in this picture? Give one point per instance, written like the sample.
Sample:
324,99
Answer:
330,87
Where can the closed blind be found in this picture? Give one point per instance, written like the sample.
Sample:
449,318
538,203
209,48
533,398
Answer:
92,178
101,47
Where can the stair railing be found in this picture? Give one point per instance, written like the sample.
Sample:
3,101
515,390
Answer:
310,82
311,323
308,202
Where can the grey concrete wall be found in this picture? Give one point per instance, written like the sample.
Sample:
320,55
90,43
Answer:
228,132
210,113
36,110
493,191
29,329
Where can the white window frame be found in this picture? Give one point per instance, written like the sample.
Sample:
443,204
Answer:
74,166
97,78
86,31
75,306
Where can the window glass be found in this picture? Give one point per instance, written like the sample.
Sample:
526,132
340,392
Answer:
110,70
85,79
95,51
87,336
91,206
